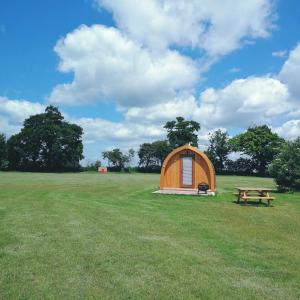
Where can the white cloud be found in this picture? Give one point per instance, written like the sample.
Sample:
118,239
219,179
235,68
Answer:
103,130
8,127
280,54
18,110
134,66
109,66
243,102
159,113
13,113
218,27
289,130
255,100
234,70
290,73
240,104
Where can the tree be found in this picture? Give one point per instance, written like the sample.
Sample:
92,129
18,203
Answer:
161,150
241,166
285,168
3,152
113,157
46,143
153,154
260,143
181,132
146,155
117,159
218,149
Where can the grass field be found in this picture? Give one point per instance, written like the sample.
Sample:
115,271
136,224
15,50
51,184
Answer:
83,236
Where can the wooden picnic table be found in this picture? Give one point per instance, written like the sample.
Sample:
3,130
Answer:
249,193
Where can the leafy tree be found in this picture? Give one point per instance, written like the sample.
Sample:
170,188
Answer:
153,154
113,157
3,152
181,132
285,168
218,149
241,166
161,150
46,143
117,159
260,143
146,155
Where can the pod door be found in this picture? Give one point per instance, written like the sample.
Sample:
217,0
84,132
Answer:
187,171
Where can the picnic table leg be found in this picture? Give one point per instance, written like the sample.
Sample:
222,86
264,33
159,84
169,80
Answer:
260,194
245,198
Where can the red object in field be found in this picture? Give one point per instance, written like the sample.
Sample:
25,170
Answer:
102,170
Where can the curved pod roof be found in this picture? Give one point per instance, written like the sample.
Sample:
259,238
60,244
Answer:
203,169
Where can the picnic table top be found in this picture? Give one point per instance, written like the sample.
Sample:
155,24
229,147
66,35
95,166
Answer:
254,189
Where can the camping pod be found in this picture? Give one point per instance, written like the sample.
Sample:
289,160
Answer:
187,167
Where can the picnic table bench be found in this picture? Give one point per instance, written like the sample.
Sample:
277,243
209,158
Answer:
248,193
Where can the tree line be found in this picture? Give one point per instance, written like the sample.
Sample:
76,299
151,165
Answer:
48,143
258,151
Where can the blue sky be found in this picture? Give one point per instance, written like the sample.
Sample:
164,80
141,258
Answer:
226,65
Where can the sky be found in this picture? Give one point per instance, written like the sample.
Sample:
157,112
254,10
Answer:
122,68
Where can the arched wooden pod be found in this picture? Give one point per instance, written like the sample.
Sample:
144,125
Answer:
174,166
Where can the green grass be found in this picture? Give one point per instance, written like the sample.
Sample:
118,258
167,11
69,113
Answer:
83,236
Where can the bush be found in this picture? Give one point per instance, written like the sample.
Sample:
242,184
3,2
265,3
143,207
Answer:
286,167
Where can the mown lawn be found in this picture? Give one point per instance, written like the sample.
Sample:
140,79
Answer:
83,236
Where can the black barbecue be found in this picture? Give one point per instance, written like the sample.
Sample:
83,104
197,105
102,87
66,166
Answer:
203,187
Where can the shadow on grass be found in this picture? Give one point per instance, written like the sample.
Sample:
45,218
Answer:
252,203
